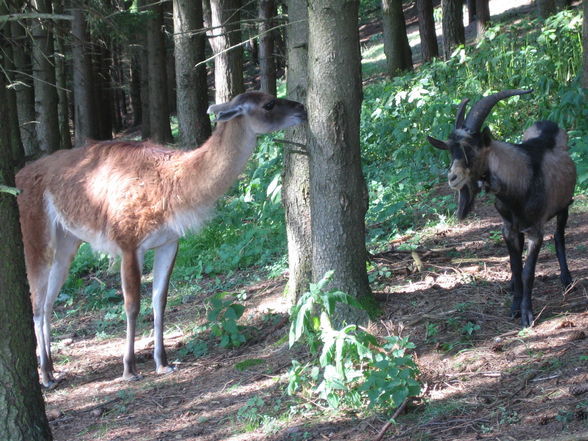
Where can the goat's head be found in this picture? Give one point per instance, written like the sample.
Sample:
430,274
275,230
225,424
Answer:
469,144
263,113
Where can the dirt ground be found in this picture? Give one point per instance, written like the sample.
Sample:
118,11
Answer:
498,383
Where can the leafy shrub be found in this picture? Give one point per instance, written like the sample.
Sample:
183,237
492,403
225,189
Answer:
353,366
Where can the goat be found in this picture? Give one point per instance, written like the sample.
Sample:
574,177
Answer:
532,183
125,198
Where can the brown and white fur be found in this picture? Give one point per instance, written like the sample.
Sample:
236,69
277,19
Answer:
532,182
125,198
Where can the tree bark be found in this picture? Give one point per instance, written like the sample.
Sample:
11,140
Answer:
25,98
396,47
102,88
267,65
296,181
6,46
21,404
158,99
585,45
429,46
338,194
482,17
545,8
191,87
46,100
452,24
228,63
61,32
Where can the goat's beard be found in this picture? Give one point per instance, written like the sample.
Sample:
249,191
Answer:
465,199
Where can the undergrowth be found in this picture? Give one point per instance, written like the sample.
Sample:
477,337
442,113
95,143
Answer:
403,173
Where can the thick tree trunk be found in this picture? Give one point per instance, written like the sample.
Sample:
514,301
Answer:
482,17
338,193
158,99
452,24
85,120
228,63
545,8
22,411
144,76
267,65
46,100
296,181
429,46
25,97
191,87
13,130
396,47
61,32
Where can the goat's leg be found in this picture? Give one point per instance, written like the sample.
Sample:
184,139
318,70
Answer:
514,243
131,284
560,247
163,264
535,241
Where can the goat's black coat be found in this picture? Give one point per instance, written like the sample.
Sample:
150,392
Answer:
532,181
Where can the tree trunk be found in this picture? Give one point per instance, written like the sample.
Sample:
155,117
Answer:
338,193
46,100
429,46
545,8
482,17
85,120
102,88
21,404
191,87
6,48
396,47
452,24
585,45
25,97
228,63
296,181
158,100
61,32
267,65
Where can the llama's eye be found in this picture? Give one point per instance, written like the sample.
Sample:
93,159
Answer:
270,105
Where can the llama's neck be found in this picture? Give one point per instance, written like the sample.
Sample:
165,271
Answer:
207,172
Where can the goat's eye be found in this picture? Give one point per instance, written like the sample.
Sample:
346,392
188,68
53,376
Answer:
270,105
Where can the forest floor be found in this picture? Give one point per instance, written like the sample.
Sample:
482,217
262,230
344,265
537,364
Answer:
484,377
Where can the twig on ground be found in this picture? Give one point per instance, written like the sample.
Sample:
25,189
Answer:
391,420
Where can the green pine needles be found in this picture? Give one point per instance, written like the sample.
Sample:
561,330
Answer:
354,367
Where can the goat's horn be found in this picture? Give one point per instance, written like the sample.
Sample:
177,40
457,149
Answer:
482,108
460,113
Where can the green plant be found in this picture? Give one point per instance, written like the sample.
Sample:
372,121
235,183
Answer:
223,317
353,366
195,348
470,328
431,330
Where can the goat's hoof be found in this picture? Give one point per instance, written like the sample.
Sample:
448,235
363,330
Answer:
164,370
566,280
527,319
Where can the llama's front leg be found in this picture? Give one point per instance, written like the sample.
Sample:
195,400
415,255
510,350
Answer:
131,285
165,257
560,248
535,241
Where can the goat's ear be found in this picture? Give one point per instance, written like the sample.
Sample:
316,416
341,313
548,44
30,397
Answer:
486,136
437,143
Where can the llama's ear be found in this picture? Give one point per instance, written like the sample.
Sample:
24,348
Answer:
437,143
225,111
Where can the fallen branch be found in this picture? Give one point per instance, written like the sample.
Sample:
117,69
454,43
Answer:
391,421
